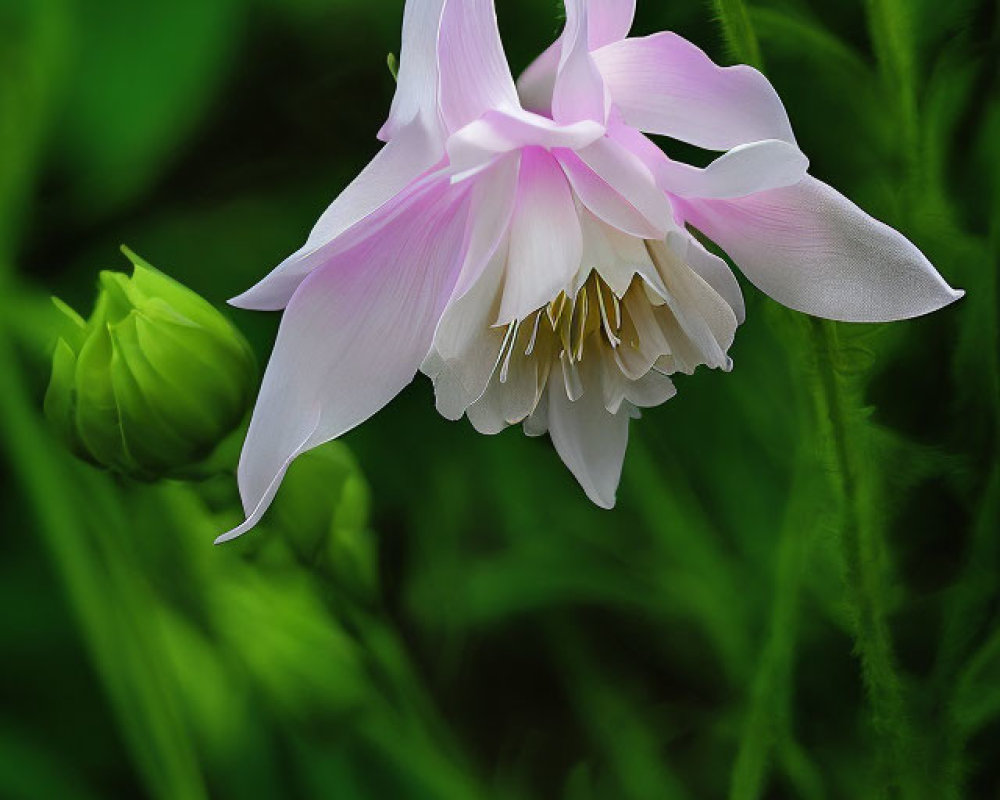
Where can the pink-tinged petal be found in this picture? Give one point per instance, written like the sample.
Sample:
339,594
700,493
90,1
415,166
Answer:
352,337
416,97
491,207
813,250
616,186
715,272
545,239
466,345
664,84
473,68
746,169
579,91
590,440
497,132
536,83
376,188
607,21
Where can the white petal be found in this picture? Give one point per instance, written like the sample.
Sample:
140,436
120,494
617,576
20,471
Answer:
499,132
607,21
486,414
416,97
651,390
617,256
617,187
352,337
536,83
466,344
746,169
713,270
545,238
590,441
579,92
664,84
473,68
537,423
491,208
705,323
813,250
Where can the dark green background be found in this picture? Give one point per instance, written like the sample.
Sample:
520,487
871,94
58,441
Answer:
796,597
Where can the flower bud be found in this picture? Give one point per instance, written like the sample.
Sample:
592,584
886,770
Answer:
153,381
322,513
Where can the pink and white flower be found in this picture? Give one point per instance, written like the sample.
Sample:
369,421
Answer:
528,247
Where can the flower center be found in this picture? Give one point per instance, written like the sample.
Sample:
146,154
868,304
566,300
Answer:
564,326
595,322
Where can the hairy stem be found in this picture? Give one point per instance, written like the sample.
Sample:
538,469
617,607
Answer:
739,32
767,728
862,550
860,536
892,40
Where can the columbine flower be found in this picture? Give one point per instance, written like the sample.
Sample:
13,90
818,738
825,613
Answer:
527,248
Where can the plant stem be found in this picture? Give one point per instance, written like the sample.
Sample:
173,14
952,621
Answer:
863,562
892,39
768,721
860,538
739,32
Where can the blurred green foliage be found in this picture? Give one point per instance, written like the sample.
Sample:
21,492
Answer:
797,594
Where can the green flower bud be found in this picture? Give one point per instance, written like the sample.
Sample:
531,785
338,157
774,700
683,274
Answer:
153,381
321,512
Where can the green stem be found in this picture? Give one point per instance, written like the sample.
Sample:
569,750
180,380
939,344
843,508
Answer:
767,728
863,561
860,537
739,32
892,39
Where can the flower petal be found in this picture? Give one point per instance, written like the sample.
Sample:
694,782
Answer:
491,206
716,273
473,68
499,132
579,91
702,324
466,345
416,97
545,239
607,21
664,84
400,162
616,186
590,440
351,338
746,169
617,257
536,83
813,250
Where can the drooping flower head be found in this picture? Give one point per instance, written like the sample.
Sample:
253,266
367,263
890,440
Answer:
529,248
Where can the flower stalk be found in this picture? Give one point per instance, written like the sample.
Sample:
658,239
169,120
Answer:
860,539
